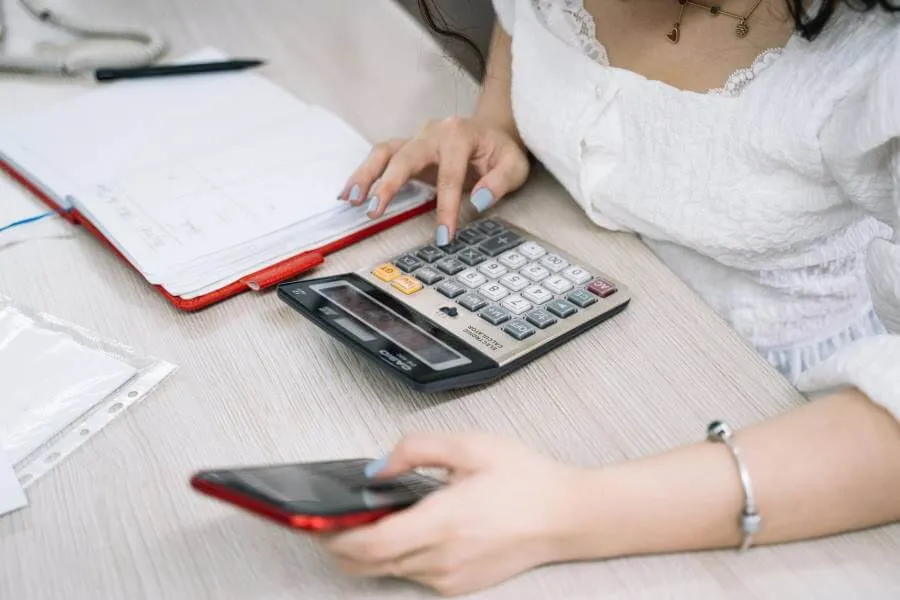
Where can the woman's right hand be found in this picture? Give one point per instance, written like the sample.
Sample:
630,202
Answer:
462,150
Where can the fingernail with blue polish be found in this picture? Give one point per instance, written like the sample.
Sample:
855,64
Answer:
354,193
375,467
373,204
481,199
442,235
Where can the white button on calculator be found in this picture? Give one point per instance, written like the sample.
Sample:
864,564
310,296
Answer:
516,304
554,262
471,278
537,294
513,260
557,284
492,269
531,250
535,272
493,291
576,275
515,282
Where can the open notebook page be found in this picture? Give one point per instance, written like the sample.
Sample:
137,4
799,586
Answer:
219,213
113,128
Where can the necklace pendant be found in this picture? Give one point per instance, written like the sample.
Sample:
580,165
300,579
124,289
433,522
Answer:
675,33
742,29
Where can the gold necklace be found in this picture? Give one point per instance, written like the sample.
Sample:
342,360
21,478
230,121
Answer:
741,29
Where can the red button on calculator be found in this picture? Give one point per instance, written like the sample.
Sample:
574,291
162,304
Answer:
601,288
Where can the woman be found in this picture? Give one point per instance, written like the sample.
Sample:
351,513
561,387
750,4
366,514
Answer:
772,191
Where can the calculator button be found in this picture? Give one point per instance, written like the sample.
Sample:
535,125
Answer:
519,329
470,235
540,319
532,250
513,259
581,298
450,265
471,278
515,282
495,315
471,257
602,288
516,304
492,269
557,284
561,308
500,243
407,284
386,272
535,272
472,301
429,254
576,275
489,227
408,263
451,288
453,247
428,276
493,291
554,262
537,294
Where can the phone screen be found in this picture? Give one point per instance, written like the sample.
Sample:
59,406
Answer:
323,488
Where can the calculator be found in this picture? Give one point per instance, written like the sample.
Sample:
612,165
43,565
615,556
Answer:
464,314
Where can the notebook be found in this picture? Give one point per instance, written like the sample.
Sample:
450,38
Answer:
207,185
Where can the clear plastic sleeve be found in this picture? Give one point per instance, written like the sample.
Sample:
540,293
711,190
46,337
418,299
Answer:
61,384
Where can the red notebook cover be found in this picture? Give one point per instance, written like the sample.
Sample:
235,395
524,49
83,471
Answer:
289,268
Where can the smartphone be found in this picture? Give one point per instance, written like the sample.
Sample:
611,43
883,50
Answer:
316,496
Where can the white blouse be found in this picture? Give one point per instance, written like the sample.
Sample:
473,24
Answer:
775,197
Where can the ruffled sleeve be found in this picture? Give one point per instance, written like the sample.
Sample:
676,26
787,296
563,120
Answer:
506,14
861,146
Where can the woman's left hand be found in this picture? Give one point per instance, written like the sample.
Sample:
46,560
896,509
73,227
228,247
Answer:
506,509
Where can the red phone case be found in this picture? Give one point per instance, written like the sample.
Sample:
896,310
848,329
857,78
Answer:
312,523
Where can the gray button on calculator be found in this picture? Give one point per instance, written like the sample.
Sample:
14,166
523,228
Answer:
408,263
561,308
451,288
540,319
450,265
428,276
471,257
453,247
429,254
472,302
519,329
489,227
500,243
470,235
581,298
495,315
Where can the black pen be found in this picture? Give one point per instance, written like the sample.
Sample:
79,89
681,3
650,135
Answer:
167,70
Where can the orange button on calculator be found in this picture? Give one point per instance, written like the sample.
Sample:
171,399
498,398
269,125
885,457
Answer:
386,272
407,284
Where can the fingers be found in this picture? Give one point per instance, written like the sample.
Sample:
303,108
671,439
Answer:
455,154
408,161
508,174
454,452
372,549
360,183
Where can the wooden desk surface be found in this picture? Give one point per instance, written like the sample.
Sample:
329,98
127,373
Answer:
258,384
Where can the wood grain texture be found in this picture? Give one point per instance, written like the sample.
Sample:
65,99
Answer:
257,384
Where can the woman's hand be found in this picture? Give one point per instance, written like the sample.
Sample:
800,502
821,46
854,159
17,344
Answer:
461,150
504,511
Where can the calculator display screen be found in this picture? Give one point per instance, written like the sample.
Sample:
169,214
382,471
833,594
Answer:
392,326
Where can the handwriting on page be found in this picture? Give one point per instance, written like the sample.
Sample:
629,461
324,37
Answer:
190,207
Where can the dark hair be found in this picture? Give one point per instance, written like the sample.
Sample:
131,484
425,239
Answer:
808,26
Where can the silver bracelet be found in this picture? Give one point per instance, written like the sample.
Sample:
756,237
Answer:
751,521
